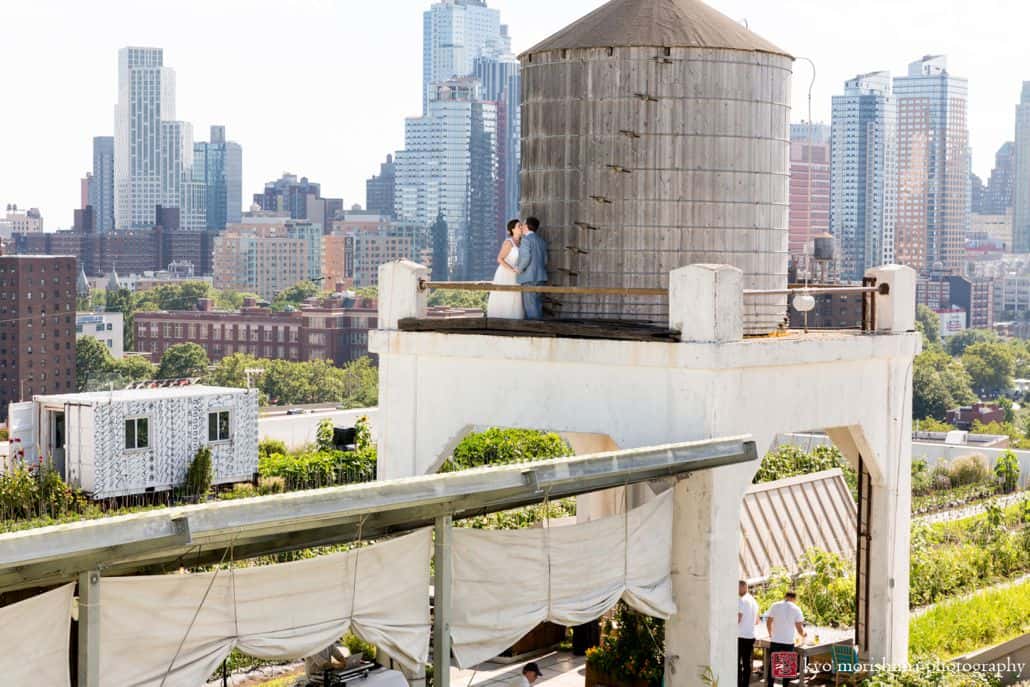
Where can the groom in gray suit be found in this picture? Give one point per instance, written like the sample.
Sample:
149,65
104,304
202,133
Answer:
532,267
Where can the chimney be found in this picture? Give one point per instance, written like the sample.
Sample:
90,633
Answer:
205,304
249,302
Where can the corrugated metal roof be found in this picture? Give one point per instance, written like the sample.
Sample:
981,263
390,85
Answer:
657,23
781,520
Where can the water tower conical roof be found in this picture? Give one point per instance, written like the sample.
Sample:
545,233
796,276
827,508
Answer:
657,23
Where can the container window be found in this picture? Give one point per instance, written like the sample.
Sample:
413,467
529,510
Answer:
137,433
218,426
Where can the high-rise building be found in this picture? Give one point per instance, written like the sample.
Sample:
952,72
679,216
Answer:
1001,184
501,83
146,98
24,221
267,255
84,185
933,167
218,164
101,188
181,187
454,34
448,169
809,184
863,202
977,194
37,327
1021,196
301,199
379,190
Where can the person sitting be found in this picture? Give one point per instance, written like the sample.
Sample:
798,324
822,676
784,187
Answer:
530,674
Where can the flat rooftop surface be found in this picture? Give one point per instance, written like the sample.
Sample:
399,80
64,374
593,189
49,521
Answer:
187,391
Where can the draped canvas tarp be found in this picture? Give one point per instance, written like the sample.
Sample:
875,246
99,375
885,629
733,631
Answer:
174,630
35,631
508,582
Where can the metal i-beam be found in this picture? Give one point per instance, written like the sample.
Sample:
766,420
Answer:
199,534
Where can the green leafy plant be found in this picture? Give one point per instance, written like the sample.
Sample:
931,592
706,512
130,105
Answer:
632,648
324,435
356,645
972,469
926,674
497,446
1006,469
791,461
825,585
201,474
268,447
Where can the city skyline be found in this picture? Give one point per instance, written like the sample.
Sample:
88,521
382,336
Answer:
342,144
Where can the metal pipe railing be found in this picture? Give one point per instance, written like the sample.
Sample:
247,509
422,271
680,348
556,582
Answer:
425,284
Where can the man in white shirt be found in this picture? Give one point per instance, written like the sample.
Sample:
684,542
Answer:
782,620
747,619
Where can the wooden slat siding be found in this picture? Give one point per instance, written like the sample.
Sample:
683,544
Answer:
572,329
781,520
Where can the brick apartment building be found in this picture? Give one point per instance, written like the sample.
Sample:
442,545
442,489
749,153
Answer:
323,331
37,327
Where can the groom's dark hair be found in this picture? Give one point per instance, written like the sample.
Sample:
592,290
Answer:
533,223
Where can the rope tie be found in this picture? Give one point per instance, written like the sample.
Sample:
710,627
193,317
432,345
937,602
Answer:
193,621
354,578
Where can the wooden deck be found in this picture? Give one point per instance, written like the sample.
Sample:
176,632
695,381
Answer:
617,330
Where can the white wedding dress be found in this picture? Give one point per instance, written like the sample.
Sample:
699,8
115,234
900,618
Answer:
506,304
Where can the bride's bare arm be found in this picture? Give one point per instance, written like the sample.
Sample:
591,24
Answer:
505,249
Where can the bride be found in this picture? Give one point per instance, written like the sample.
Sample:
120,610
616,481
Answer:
507,304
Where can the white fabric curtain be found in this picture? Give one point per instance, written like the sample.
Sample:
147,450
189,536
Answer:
174,630
508,582
35,631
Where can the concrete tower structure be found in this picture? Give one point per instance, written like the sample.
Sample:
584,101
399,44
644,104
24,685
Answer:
666,111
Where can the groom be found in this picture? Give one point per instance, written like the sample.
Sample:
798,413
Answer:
532,267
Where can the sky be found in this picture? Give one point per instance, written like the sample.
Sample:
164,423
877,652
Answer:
320,88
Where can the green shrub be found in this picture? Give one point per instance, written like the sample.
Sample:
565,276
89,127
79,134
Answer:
1007,471
314,469
270,446
791,461
972,469
922,480
200,474
825,585
926,674
498,446
632,647
356,645
28,492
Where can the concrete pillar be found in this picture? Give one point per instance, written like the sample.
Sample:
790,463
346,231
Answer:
706,303
896,311
89,629
890,521
442,602
399,295
705,567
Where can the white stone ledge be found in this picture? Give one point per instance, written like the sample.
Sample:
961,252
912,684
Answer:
792,349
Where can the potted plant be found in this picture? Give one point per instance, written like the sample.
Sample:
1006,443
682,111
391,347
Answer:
631,652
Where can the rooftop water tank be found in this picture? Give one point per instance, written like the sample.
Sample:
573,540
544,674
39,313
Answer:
655,134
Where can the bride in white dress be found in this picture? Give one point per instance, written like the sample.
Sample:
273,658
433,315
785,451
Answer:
507,304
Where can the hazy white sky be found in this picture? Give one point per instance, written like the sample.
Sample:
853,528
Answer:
321,87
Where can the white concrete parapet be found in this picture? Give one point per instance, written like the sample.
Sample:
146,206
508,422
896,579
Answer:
896,311
399,295
706,303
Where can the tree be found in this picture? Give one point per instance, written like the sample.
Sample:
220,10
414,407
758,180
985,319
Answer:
93,364
958,343
296,294
200,474
135,368
183,360
930,324
939,383
990,367
458,299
